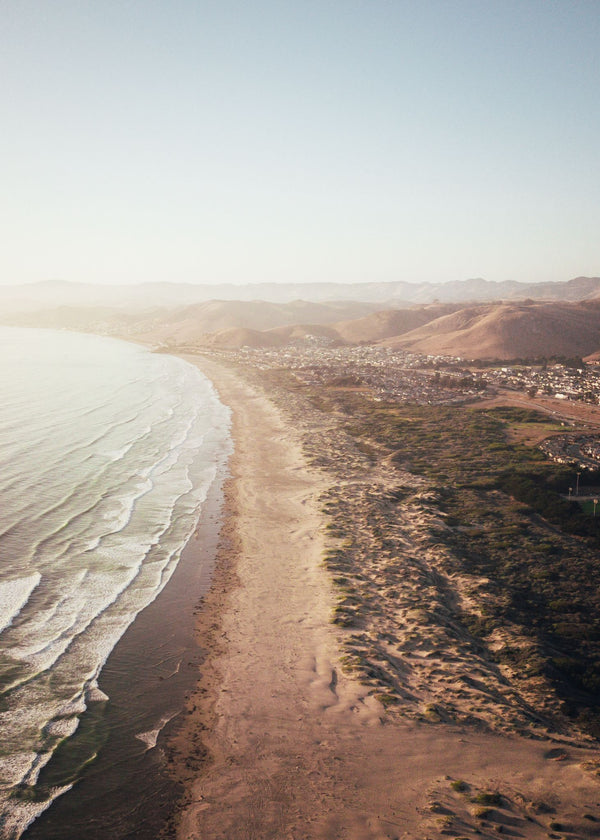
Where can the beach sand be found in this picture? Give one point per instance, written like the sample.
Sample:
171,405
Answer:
281,742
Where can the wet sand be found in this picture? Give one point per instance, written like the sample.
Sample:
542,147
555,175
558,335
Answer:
281,742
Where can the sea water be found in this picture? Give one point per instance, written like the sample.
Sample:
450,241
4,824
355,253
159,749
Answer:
107,453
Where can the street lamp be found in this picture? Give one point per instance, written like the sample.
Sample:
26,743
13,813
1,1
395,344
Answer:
595,503
570,491
577,485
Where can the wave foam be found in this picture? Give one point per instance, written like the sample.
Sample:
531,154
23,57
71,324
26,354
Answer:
14,594
150,737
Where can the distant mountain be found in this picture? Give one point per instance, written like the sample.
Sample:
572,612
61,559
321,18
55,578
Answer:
579,288
54,293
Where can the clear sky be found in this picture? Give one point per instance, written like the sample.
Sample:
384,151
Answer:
314,140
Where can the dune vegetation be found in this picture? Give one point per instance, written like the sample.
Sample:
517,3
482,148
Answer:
486,516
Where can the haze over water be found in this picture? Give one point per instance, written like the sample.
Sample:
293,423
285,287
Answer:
107,452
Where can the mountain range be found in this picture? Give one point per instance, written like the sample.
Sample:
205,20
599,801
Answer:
566,322
392,294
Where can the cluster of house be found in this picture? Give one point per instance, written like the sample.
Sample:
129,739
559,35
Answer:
557,380
425,379
580,451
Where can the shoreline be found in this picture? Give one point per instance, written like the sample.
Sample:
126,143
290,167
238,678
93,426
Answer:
127,790
272,739
280,742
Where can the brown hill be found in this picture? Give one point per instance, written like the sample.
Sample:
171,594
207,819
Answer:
190,324
368,330
237,337
389,322
187,323
305,332
262,315
507,331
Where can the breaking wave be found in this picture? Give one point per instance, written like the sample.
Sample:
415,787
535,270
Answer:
109,452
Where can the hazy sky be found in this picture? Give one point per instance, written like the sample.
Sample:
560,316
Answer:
334,140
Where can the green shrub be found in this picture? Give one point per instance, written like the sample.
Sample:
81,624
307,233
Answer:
488,798
459,785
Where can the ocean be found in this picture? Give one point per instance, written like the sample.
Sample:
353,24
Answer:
108,453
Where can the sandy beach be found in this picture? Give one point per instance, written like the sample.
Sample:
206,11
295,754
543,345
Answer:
280,741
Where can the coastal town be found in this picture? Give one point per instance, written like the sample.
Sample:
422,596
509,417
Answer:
442,380
413,377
